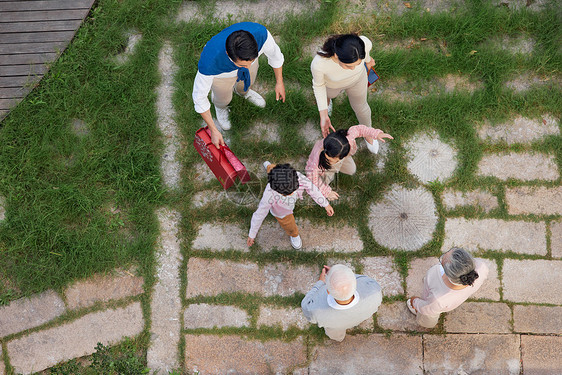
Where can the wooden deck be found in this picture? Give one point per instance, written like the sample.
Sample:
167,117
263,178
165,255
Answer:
33,33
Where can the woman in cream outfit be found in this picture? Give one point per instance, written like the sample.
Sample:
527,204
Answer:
340,66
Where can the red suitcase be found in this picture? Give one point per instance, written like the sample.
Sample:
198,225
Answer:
223,163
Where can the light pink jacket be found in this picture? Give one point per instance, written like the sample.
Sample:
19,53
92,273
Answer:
283,205
438,297
314,172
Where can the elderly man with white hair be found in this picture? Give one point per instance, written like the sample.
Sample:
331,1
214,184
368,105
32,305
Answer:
341,299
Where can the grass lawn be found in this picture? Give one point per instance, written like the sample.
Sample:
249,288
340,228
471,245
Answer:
81,204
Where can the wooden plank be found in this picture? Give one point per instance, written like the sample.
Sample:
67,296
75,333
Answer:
19,81
27,58
44,15
14,6
14,92
9,103
49,36
22,70
26,27
3,113
17,48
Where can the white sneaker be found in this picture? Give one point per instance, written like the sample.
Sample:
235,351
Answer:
222,117
410,307
330,107
255,98
266,164
374,148
296,242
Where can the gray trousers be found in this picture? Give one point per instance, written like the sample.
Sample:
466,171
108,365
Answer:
335,334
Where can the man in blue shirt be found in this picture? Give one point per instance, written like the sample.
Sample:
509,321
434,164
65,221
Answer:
229,62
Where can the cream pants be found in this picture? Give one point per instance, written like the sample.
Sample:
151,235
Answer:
222,88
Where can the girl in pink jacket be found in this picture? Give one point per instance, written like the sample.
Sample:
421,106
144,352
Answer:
334,153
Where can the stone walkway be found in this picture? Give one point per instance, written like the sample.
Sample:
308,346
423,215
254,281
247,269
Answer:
513,325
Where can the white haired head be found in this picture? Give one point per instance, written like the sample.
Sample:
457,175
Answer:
341,282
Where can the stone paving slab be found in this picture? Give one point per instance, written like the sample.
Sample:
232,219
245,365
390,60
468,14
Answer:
171,137
471,354
2,208
537,319
220,237
384,271
40,350
517,45
209,277
262,10
479,198
229,354
342,239
367,325
1,362
283,317
355,9
103,288
369,355
264,132
431,159
418,269
556,239
408,90
520,166
404,219
345,261
26,313
519,130
133,39
310,131
285,280
416,273
165,304
538,200
397,317
523,81
203,315
492,234
206,197
541,355
535,281
202,174
479,317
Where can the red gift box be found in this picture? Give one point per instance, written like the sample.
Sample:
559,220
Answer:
223,163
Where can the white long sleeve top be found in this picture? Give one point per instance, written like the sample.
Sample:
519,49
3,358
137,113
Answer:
282,205
328,73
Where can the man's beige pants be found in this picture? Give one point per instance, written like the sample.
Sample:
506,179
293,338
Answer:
222,88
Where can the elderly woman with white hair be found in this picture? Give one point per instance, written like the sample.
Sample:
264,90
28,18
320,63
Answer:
341,299
447,285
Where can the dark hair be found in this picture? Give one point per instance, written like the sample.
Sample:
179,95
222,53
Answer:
241,45
469,278
348,47
335,145
283,179
460,267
